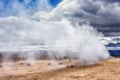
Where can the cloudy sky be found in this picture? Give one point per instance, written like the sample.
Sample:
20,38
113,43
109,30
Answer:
15,7
104,15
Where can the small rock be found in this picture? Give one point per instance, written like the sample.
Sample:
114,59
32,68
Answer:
21,63
60,63
49,63
70,66
28,64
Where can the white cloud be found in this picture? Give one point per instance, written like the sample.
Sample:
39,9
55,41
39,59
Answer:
55,31
95,11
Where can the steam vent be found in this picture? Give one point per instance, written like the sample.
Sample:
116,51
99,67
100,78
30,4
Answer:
59,39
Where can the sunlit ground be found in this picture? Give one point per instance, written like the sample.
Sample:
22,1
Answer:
62,70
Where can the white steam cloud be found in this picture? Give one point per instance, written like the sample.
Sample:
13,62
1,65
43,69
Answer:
53,32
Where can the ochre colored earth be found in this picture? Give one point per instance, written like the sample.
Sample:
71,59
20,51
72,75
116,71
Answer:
60,70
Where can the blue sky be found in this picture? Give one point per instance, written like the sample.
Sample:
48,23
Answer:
103,14
7,6
31,3
54,2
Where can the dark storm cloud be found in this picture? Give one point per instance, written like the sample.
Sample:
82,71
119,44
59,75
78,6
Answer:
112,0
102,14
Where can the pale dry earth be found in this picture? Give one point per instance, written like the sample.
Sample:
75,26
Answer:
61,70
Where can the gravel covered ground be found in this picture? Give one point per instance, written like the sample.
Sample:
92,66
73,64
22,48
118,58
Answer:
61,70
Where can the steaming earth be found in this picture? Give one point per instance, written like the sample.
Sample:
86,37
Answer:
62,34
62,70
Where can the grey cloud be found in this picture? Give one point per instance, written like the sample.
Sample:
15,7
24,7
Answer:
100,13
112,0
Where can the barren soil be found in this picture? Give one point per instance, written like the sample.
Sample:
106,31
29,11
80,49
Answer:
61,70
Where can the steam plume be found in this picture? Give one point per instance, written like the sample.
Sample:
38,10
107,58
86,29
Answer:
54,32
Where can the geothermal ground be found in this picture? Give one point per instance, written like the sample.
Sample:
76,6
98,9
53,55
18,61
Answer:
61,70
